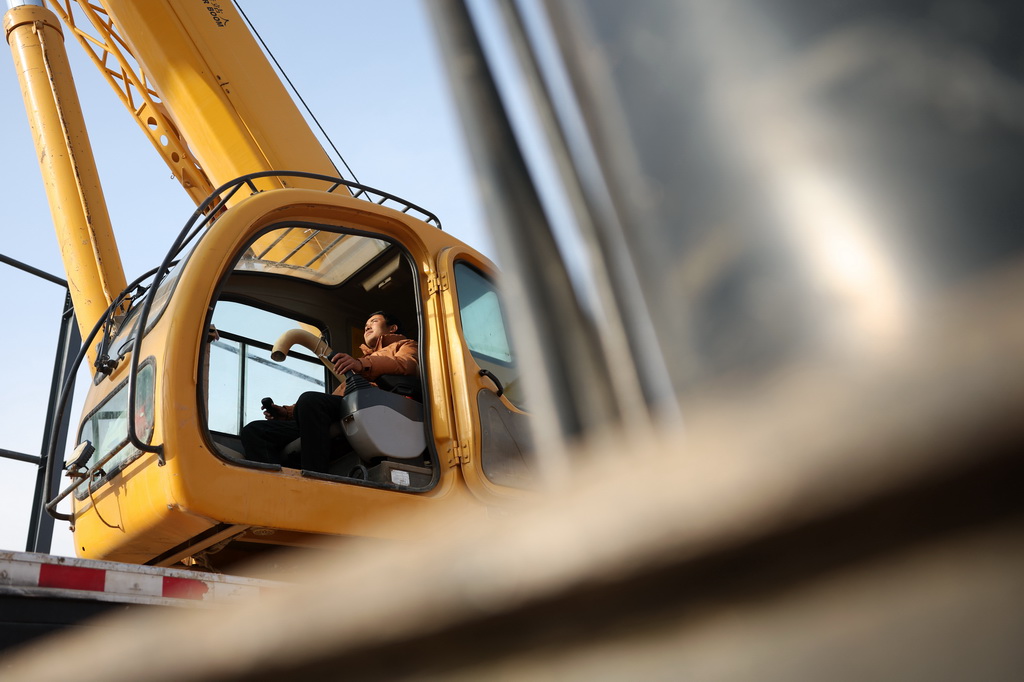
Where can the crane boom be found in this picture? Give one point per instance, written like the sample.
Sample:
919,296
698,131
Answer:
94,271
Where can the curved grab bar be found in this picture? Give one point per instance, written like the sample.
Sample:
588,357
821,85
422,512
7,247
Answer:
308,340
490,375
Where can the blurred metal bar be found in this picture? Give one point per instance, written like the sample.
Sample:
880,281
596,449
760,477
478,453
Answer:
557,344
624,322
40,530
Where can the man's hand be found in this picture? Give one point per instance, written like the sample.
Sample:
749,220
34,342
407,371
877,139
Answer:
273,411
344,362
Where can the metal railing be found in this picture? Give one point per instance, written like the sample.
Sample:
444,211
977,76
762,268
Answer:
55,432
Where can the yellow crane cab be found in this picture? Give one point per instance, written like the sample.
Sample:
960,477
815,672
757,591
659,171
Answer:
168,479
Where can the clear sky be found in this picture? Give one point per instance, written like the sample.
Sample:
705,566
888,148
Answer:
371,74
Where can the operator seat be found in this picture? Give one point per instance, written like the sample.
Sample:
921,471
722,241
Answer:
385,420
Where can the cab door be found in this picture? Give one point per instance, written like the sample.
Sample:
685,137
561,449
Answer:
494,445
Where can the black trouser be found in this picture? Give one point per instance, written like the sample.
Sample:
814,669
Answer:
314,414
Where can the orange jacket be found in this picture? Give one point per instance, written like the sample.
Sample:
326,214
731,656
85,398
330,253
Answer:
392,354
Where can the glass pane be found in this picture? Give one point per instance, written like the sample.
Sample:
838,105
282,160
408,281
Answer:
223,387
483,327
107,427
242,373
482,323
282,381
309,253
253,323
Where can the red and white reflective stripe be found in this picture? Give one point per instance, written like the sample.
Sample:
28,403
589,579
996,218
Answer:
102,580
41,572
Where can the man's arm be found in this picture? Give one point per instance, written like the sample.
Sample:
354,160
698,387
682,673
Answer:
401,357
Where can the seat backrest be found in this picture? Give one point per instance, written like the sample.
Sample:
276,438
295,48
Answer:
379,423
402,384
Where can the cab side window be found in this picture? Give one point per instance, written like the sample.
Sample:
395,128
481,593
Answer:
484,328
242,373
506,448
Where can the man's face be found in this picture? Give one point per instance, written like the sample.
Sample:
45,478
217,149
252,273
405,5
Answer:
376,327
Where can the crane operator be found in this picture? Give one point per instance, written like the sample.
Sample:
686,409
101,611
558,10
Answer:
385,351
